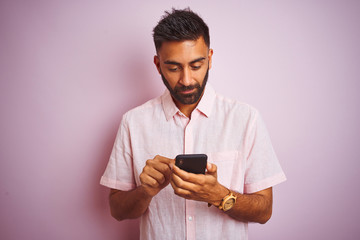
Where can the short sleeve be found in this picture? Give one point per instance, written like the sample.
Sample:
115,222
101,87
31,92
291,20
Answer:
263,169
119,172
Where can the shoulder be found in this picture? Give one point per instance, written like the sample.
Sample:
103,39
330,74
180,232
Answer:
143,110
229,107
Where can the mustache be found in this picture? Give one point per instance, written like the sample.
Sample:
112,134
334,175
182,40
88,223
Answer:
186,88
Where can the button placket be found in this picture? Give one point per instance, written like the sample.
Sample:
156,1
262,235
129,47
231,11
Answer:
189,205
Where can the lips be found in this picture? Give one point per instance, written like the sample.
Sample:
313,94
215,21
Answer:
189,91
186,90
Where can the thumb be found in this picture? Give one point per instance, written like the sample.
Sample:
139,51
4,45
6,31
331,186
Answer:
211,169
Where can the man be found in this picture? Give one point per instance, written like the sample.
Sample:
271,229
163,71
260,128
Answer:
191,118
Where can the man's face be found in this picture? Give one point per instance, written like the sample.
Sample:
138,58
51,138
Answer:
184,68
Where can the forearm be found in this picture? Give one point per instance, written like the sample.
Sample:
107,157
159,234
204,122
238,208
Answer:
255,207
128,204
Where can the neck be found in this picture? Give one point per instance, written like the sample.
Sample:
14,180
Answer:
187,109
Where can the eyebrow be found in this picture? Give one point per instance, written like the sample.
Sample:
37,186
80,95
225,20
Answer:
179,64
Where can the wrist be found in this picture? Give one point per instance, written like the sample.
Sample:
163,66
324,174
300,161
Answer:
144,193
220,193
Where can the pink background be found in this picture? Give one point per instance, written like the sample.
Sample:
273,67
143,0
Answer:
70,69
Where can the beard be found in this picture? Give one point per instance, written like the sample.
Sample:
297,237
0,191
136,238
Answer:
190,98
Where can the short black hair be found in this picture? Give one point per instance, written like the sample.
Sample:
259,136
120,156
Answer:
180,25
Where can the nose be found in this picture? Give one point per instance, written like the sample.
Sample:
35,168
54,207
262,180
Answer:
186,77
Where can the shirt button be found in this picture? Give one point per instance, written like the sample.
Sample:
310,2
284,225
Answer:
190,218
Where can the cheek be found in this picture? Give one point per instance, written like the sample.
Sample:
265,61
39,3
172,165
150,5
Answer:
199,76
172,79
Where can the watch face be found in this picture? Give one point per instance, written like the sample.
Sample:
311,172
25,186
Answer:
229,204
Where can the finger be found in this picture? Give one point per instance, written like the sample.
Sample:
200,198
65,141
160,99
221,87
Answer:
180,183
211,169
159,175
148,180
179,191
188,177
164,159
161,167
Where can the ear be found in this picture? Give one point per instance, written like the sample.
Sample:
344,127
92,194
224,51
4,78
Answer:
211,52
157,63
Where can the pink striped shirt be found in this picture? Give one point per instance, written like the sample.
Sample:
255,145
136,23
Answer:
233,136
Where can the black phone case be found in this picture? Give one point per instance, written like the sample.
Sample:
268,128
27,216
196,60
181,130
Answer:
193,163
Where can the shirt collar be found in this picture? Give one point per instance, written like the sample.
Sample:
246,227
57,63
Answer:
205,105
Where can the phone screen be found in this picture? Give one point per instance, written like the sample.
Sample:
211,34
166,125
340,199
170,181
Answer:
193,163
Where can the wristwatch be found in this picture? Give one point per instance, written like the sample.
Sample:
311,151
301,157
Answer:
227,202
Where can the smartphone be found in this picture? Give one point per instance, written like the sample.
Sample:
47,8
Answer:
193,163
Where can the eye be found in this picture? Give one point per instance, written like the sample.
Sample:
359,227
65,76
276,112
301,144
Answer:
173,69
195,67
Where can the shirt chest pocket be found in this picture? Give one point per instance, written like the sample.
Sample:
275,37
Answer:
227,167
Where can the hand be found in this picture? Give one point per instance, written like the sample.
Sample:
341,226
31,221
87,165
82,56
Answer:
156,174
199,187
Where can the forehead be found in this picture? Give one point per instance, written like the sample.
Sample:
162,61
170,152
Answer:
183,51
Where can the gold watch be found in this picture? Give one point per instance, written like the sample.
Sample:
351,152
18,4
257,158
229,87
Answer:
227,202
